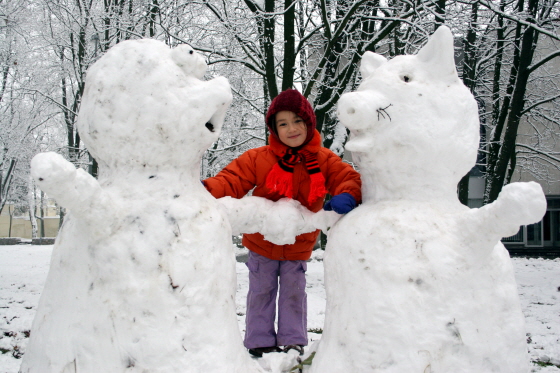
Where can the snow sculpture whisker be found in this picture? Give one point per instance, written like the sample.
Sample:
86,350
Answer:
382,112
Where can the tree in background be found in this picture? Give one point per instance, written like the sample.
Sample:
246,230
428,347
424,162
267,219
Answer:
23,114
503,65
536,20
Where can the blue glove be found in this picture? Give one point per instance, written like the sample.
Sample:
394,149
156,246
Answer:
341,203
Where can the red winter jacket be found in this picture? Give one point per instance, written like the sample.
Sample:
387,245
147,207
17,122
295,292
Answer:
250,171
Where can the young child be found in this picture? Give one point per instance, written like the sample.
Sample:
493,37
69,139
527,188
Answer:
293,165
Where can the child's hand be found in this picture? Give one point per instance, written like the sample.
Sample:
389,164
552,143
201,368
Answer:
341,203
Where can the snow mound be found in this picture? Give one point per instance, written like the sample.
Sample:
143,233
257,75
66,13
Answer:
143,275
416,282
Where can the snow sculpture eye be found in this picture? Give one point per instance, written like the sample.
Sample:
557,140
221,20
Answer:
406,78
210,126
191,51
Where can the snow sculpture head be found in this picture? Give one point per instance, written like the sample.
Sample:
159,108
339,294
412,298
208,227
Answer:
143,92
412,121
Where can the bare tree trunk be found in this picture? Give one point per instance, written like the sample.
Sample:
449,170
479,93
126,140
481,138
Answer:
469,49
470,62
327,90
11,210
5,182
303,56
5,72
42,214
289,44
62,216
32,206
503,152
268,46
439,13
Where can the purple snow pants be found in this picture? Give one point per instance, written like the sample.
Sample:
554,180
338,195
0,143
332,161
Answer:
264,275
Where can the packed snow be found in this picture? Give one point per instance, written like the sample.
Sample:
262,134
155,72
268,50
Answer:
255,214
433,287
23,270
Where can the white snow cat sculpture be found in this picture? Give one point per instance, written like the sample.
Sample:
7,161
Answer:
142,277
417,282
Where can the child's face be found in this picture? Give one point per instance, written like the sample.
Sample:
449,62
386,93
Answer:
291,129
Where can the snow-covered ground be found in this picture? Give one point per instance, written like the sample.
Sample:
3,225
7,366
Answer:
23,270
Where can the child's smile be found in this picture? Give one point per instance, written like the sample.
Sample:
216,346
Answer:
292,130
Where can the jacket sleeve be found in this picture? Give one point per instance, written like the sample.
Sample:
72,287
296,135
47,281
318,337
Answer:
342,178
236,179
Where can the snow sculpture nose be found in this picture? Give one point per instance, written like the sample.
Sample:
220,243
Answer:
347,112
221,99
359,110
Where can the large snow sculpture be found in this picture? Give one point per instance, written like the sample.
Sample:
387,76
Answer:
417,282
142,277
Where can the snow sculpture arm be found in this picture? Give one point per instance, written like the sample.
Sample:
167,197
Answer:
279,222
518,204
72,188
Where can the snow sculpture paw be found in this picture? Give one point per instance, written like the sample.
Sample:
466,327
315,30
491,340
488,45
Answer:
519,204
323,220
54,174
73,189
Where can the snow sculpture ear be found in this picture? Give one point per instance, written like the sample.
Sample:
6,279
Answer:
439,52
370,62
189,61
